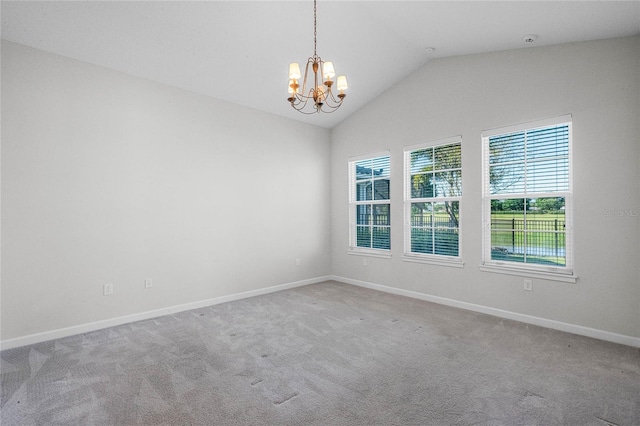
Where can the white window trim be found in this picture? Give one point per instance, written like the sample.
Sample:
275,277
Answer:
530,125
384,153
551,275
563,274
370,252
428,258
353,248
433,259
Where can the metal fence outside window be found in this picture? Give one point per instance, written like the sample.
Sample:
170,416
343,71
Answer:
545,238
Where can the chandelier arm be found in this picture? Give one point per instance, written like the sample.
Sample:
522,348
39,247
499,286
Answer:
329,101
304,82
330,92
300,102
332,107
300,106
330,97
305,97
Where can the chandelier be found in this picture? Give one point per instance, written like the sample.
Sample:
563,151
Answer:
316,93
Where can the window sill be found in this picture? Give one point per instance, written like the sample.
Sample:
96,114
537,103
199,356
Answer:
383,254
434,260
530,273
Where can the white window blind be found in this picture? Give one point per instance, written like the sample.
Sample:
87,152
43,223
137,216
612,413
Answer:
369,203
433,189
527,203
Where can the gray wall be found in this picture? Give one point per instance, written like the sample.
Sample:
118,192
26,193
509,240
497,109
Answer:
108,178
599,84
112,178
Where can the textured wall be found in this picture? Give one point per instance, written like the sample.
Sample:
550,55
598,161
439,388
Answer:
599,84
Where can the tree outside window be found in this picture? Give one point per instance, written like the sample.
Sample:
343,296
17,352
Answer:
433,182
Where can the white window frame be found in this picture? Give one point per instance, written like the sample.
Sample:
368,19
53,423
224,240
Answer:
558,273
353,203
432,258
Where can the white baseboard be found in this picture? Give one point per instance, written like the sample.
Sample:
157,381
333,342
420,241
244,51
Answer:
528,319
99,325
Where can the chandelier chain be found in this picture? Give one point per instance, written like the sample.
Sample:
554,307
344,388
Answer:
315,31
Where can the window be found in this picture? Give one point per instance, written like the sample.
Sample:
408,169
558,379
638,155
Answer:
433,188
527,197
369,204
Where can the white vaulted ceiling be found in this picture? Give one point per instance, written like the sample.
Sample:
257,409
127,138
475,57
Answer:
239,51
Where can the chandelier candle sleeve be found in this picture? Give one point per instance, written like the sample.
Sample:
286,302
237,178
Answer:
315,93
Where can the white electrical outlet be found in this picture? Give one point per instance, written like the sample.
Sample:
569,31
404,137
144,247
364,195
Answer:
528,285
364,262
148,283
107,289
297,261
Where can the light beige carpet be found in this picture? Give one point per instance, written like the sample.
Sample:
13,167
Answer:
323,354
